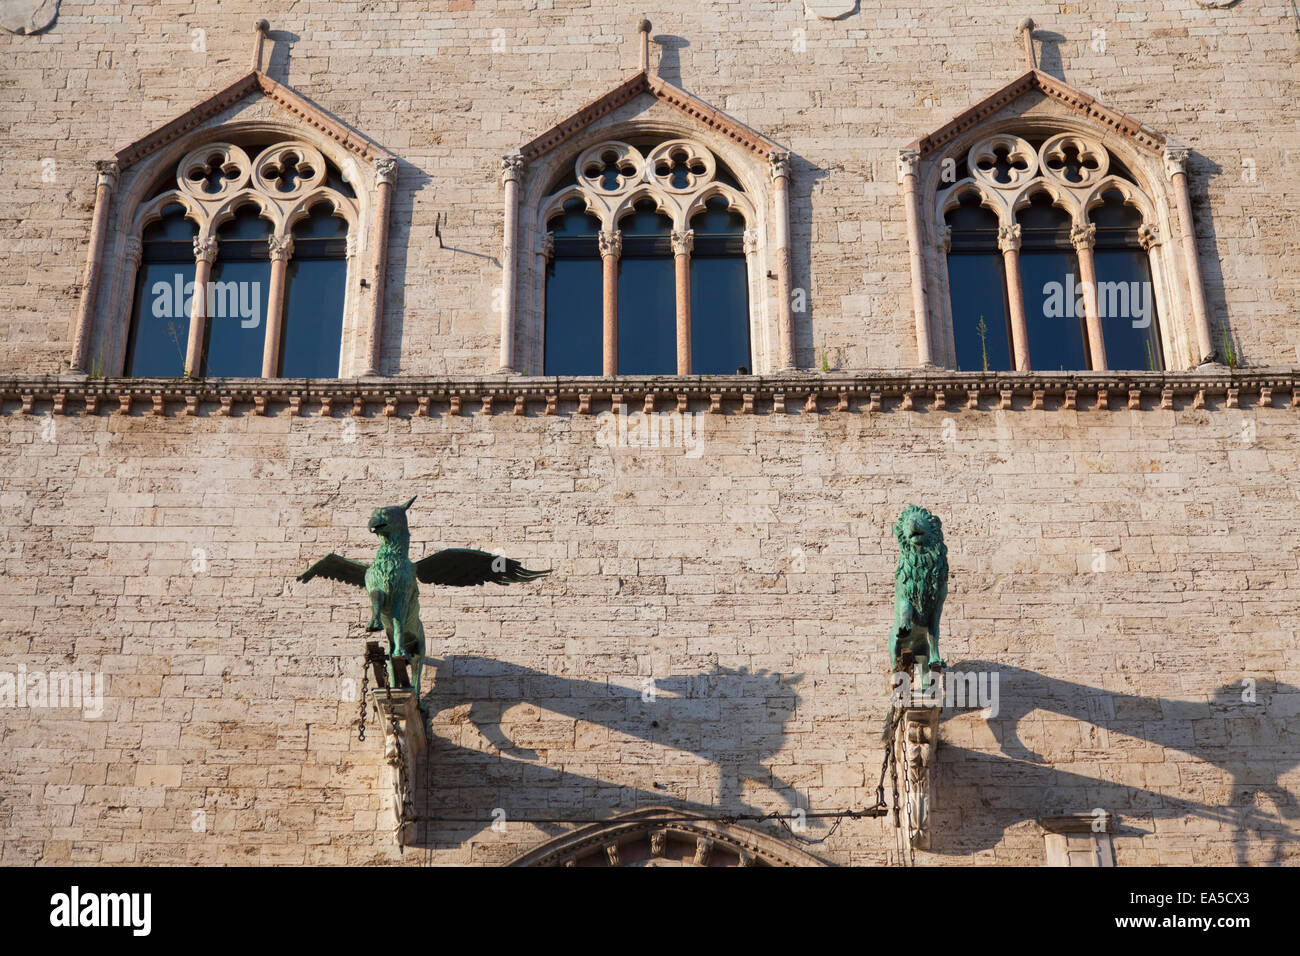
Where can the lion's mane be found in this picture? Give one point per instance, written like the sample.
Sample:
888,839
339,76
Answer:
922,569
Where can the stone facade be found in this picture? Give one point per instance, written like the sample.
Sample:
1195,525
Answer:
1123,550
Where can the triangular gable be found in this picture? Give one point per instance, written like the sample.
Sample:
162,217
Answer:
661,89
1049,86
245,86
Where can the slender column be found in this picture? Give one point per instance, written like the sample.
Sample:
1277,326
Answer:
386,175
260,28
1176,169
1083,238
105,181
611,247
281,253
205,253
942,246
545,253
510,169
1149,239
752,279
780,169
683,242
644,29
132,253
1009,243
908,162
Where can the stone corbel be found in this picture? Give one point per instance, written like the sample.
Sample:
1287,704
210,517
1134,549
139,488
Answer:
405,743
916,736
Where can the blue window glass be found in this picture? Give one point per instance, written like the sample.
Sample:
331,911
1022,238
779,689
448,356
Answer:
978,290
1125,293
160,317
315,284
235,336
574,295
719,292
1049,278
647,307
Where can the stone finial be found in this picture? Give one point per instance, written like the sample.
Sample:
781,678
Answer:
1026,31
260,29
643,28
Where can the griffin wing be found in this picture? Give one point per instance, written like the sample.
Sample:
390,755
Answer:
460,567
337,568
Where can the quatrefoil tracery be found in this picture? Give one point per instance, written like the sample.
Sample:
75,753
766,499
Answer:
285,182
678,175
1006,172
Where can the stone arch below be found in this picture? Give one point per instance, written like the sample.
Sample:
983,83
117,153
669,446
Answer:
665,836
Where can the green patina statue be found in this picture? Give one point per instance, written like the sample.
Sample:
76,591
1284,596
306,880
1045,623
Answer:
920,587
391,581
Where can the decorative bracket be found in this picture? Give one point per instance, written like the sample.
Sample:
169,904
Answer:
916,735
398,709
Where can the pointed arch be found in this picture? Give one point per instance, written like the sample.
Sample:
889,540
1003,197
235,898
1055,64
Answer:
665,836
355,176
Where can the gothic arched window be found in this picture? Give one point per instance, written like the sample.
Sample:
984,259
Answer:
649,245
263,283
1075,287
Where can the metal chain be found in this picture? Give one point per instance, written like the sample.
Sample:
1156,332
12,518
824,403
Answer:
365,684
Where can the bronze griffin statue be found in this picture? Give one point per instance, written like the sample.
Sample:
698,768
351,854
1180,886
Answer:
920,588
393,581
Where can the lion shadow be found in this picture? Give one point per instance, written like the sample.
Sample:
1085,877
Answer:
1253,742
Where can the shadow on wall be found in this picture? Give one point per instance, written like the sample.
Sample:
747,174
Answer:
1254,743
734,719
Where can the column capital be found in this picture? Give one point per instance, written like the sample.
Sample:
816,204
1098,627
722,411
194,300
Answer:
386,171
683,241
1175,160
1083,235
1009,238
779,164
1149,235
106,171
546,248
610,242
909,161
511,166
351,245
751,241
205,250
131,251
281,248
943,238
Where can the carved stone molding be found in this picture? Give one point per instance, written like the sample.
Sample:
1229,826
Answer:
659,836
398,711
722,394
915,739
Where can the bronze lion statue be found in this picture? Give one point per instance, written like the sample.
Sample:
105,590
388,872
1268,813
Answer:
920,587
